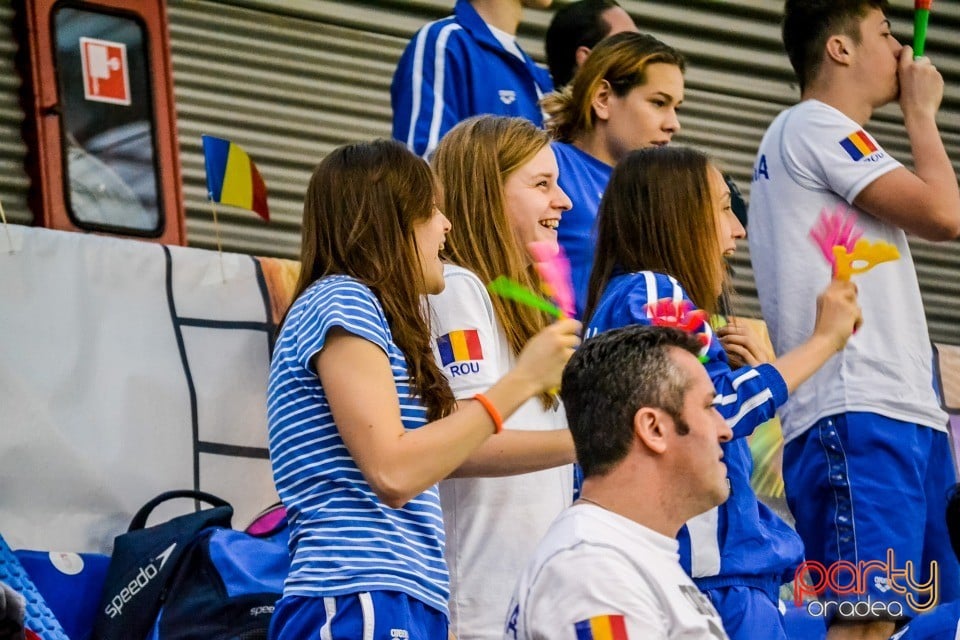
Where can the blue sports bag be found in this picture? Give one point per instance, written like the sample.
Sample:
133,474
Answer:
224,588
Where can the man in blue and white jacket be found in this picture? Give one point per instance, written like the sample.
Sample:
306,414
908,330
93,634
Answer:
465,65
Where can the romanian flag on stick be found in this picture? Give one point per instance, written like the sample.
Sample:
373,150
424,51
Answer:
921,17
232,178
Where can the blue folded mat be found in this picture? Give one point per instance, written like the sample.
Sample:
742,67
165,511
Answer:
71,584
39,618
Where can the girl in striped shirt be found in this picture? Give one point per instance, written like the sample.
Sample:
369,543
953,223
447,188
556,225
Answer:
361,419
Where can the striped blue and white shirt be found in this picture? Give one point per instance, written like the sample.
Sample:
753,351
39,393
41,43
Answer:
741,542
343,539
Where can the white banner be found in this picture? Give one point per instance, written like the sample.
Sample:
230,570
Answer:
126,369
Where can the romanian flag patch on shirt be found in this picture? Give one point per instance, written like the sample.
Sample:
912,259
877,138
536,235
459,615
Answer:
858,144
459,346
611,627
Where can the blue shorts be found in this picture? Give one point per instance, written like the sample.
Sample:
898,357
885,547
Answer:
869,495
377,615
748,613
943,623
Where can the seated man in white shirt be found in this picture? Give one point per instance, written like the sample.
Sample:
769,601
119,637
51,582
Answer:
641,408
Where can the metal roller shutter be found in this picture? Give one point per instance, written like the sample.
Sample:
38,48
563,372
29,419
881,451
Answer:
322,72
286,89
14,183
289,80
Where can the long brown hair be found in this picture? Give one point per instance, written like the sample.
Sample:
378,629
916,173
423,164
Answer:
358,217
472,162
657,215
622,60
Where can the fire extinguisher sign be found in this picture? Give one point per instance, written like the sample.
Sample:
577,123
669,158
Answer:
105,72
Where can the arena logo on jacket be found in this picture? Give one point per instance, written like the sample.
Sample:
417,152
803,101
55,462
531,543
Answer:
460,351
860,145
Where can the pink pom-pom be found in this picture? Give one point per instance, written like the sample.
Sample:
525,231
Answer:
836,228
554,269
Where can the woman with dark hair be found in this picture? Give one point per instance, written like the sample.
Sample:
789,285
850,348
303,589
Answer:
362,422
664,228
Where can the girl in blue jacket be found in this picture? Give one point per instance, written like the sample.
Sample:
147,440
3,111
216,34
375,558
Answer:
665,226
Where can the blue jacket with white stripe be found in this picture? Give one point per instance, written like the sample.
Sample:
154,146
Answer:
455,68
741,542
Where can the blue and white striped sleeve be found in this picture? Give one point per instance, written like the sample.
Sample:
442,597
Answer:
644,290
654,288
428,93
346,304
749,396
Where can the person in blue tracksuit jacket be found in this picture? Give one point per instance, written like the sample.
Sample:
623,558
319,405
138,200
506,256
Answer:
665,226
465,65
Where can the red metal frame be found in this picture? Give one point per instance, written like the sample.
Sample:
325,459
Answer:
46,161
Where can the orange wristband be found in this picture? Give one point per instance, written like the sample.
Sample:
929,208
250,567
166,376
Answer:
492,411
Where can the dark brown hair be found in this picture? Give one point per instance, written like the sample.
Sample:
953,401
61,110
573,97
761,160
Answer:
657,215
578,24
614,375
808,24
358,220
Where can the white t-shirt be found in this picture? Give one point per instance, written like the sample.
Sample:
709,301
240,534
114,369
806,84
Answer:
492,524
508,41
812,159
594,570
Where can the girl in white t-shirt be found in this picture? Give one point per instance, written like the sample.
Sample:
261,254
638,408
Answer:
499,178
